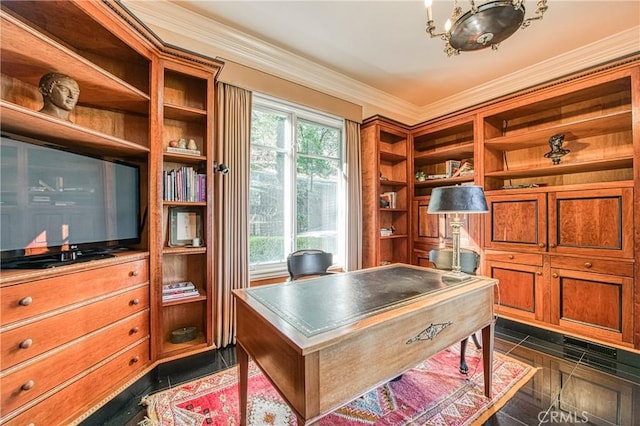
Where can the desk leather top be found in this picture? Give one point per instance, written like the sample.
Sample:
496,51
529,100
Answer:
321,304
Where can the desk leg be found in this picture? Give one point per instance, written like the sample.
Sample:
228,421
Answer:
243,365
487,358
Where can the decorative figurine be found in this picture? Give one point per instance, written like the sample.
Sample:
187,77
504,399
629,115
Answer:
192,145
60,94
182,143
557,152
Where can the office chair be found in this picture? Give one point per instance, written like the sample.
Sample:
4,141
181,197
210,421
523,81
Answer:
308,262
469,262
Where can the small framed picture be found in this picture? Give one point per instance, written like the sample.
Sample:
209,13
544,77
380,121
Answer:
185,227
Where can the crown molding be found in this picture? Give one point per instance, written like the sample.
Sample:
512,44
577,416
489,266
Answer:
222,41
608,49
229,43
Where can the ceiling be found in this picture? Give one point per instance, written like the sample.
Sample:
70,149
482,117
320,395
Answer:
383,44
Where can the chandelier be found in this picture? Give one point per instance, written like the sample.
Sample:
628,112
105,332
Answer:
482,26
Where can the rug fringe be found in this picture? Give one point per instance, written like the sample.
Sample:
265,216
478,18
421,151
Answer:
149,420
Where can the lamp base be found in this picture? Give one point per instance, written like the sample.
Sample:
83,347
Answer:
456,277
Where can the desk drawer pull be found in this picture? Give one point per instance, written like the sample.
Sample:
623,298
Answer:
587,264
28,386
134,273
25,301
135,301
26,344
430,332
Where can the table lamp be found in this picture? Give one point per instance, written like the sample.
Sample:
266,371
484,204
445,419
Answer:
457,200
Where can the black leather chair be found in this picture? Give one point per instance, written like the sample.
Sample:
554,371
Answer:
308,262
469,262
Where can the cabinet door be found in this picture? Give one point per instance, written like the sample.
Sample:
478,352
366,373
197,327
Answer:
427,227
592,222
516,222
435,229
597,305
520,291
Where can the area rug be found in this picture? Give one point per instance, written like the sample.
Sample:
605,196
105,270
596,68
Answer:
433,393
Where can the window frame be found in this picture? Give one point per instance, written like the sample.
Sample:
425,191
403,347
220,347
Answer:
295,113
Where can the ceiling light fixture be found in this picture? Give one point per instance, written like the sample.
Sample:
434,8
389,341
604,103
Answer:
485,25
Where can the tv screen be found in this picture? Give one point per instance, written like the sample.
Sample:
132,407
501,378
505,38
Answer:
58,207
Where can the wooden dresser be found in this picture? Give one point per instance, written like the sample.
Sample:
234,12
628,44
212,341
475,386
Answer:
62,333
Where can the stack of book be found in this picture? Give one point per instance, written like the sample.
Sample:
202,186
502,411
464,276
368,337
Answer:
184,184
178,291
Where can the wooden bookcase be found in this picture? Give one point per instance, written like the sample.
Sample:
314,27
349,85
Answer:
560,237
86,330
187,113
434,145
385,145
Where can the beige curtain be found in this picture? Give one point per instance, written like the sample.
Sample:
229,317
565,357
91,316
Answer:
233,121
354,197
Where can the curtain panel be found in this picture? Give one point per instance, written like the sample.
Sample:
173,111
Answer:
354,196
233,144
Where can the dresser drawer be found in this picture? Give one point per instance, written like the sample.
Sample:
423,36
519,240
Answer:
71,402
26,300
593,264
515,257
24,342
22,385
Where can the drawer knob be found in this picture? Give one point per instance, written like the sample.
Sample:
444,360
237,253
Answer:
555,275
587,264
25,301
510,256
135,301
552,245
27,386
26,344
134,330
541,245
134,360
538,273
134,273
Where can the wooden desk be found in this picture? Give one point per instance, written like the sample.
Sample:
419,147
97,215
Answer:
325,341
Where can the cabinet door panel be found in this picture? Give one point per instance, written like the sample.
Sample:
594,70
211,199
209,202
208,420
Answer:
597,304
520,290
427,226
591,222
516,222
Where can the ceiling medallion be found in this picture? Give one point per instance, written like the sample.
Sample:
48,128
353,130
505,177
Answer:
482,26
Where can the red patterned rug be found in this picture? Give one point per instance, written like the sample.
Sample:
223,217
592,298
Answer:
433,393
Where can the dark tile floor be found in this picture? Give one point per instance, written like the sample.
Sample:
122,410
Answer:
576,383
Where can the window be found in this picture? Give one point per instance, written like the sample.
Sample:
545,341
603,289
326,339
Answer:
297,185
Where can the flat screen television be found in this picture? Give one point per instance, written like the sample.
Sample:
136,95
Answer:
59,207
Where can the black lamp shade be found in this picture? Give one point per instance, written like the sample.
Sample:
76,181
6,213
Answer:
457,199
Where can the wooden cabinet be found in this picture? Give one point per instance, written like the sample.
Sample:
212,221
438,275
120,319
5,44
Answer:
49,344
562,231
385,193
576,214
583,258
95,326
185,181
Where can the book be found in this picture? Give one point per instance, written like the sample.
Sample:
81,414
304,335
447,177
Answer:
179,296
185,151
452,167
181,286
